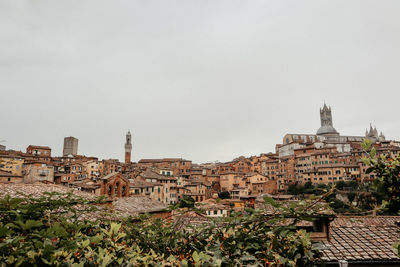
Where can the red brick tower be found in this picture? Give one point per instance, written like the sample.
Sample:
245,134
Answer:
128,148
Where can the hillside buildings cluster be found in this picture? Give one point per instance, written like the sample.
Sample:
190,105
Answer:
150,185
324,157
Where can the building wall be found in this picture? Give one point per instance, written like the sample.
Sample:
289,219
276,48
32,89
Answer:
217,213
4,178
38,151
13,165
38,172
230,180
115,186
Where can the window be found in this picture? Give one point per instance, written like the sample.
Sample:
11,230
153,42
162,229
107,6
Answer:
215,212
116,188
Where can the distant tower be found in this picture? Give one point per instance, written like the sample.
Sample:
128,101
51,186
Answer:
326,122
372,134
70,146
128,147
326,116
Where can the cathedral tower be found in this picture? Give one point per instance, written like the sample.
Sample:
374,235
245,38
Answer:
128,147
326,122
326,116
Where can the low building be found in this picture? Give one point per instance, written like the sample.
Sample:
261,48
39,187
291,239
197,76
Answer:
169,190
9,177
213,209
37,172
140,187
11,163
114,185
39,150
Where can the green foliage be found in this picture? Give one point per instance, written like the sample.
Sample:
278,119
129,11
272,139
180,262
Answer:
187,202
387,181
351,196
352,189
224,195
62,230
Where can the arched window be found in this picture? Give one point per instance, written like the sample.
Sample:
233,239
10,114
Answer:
116,188
123,190
109,190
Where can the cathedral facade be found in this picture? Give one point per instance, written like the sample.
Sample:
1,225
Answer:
326,136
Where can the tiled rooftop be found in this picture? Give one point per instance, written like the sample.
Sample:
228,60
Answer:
122,206
362,239
37,190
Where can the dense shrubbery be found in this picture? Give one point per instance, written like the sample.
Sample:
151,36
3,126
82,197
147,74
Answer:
336,204
387,182
224,195
62,230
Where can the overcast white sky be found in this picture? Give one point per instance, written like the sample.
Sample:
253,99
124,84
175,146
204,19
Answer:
203,80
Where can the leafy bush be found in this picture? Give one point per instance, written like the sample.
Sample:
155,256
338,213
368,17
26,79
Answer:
187,202
387,181
62,230
224,195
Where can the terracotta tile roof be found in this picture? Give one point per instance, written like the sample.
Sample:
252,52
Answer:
137,204
321,209
149,160
121,206
153,175
37,190
210,204
365,221
362,239
39,147
189,219
135,183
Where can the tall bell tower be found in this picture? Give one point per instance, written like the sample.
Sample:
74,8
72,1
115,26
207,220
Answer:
128,147
326,116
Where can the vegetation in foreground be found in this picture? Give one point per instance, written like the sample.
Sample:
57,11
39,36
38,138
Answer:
63,230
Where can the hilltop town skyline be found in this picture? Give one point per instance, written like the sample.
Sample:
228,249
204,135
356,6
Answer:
132,144
200,133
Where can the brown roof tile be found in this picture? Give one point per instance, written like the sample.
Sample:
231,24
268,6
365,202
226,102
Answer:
362,239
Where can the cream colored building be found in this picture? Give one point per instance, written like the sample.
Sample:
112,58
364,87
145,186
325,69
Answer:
38,172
